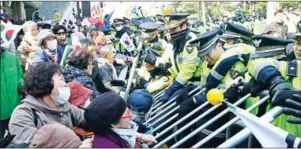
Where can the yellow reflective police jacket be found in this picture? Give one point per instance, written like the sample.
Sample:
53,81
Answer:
295,81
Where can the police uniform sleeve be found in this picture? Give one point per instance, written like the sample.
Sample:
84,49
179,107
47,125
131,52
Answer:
220,70
226,62
264,68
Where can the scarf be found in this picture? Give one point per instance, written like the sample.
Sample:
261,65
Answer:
129,135
179,39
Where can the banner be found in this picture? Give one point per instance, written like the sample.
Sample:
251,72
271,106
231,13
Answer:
267,134
96,15
8,33
68,19
127,42
69,14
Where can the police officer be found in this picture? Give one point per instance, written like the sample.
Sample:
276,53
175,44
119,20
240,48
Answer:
157,57
163,30
226,65
259,24
185,60
241,20
281,78
278,76
234,33
121,28
294,50
265,43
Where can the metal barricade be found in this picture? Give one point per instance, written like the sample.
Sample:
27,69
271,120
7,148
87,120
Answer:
196,120
225,126
167,108
171,111
212,120
180,120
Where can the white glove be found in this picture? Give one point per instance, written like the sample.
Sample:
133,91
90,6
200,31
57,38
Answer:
87,143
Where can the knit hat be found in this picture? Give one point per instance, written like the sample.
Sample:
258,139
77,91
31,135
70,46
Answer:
27,26
103,111
55,135
140,100
79,94
44,33
104,50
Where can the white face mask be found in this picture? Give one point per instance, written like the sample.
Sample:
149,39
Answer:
119,28
140,116
129,135
63,97
87,103
52,45
147,35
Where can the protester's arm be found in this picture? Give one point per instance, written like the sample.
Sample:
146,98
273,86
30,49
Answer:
78,117
158,84
106,79
22,125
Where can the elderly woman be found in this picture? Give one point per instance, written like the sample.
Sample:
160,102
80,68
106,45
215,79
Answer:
107,70
79,67
29,43
46,101
48,48
89,45
110,120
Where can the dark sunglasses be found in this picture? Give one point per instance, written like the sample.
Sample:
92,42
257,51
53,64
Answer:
61,33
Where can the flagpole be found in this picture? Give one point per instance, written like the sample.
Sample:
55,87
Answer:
78,12
151,8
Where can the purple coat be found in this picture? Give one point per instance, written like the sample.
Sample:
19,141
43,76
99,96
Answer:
109,139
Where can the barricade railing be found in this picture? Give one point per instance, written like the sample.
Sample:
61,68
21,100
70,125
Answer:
179,121
170,112
197,119
168,105
228,124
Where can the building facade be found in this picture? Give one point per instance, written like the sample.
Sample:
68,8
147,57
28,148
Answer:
19,10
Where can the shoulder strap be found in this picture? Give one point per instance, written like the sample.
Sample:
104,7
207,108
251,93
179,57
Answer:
292,69
35,117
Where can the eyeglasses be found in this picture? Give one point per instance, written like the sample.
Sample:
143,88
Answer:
61,33
128,115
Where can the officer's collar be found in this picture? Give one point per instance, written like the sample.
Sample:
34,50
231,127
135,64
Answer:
178,34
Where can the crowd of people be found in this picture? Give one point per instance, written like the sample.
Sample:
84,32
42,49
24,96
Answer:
67,86
288,22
